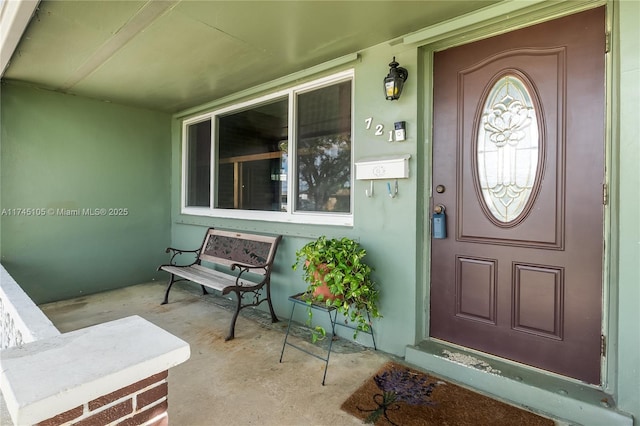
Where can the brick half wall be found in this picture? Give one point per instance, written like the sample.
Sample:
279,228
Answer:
141,403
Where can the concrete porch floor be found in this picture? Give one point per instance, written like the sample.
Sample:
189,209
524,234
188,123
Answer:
239,382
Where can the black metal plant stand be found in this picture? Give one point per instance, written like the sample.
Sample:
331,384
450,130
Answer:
298,299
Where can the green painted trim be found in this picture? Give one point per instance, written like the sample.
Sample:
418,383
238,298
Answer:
496,19
610,282
312,71
463,22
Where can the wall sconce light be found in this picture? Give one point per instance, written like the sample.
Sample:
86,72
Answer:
394,81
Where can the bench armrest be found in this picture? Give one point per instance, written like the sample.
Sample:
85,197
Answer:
177,252
246,268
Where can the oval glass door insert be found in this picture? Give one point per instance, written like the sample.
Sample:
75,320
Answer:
507,149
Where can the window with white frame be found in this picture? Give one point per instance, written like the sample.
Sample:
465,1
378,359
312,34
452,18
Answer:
283,157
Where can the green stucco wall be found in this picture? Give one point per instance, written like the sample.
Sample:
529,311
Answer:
63,154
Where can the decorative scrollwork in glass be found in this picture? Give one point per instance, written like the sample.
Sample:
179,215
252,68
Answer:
507,148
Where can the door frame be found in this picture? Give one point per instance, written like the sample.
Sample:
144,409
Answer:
478,31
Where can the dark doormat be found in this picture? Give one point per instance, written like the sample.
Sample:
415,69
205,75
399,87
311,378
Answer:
398,395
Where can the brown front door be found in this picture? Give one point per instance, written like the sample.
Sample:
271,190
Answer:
518,164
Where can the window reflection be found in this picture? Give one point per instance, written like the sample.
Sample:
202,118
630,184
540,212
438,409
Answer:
288,152
198,164
324,150
250,159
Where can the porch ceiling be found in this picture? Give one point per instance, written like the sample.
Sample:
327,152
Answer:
172,55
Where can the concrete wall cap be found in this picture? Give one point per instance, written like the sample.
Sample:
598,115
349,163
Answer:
49,376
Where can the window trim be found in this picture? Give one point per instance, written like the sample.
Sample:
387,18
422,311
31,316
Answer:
290,216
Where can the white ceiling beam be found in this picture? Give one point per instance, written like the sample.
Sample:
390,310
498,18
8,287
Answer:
146,16
14,18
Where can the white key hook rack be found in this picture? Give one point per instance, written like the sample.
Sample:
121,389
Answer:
389,168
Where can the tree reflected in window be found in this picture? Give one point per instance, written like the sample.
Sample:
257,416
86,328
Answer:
324,150
324,173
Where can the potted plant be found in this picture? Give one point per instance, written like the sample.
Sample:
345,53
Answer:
338,264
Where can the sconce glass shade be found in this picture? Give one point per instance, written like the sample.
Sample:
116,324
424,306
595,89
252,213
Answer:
394,81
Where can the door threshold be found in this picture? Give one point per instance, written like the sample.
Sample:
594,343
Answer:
564,400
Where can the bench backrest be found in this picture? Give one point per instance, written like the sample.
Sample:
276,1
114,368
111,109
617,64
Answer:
226,248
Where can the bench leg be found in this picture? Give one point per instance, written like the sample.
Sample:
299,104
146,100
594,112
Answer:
274,318
166,294
232,327
204,290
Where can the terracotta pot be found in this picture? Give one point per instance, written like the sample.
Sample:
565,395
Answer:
323,289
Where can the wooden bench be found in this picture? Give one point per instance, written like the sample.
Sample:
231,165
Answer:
229,262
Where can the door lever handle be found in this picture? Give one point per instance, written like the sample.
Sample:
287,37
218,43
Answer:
439,209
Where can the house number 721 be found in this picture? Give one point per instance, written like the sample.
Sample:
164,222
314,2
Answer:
379,127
